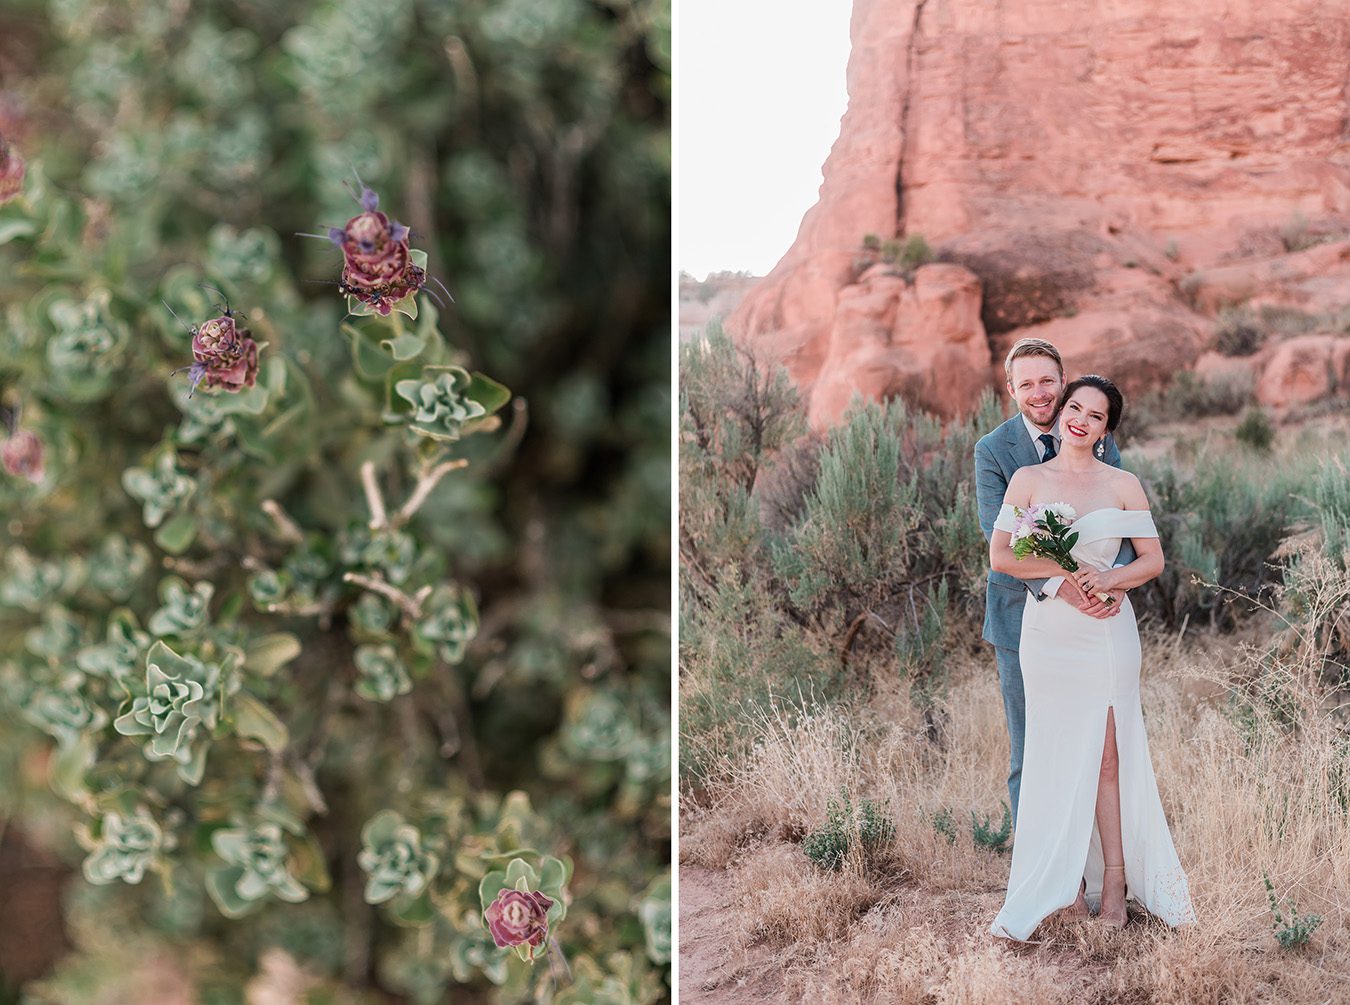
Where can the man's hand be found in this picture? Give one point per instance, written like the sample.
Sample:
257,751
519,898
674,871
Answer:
1101,609
1070,591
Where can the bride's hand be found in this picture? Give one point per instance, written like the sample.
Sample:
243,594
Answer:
1092,581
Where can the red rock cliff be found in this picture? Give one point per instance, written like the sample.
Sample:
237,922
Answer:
1082,170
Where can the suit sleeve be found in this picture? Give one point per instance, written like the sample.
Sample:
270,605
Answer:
1110,452
990,488
1111,455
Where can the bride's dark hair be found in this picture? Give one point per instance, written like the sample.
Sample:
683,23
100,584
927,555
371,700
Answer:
1115,401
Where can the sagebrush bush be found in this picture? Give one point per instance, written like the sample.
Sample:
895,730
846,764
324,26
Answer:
1255,429
319,636
867,827
1238,333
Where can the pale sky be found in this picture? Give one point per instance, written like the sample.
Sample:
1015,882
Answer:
760,89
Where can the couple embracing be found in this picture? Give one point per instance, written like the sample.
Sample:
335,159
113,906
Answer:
1089,823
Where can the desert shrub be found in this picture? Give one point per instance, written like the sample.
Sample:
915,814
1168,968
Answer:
1255,430
854,542
1237,333
893,505
986,835
868,828
914,252
1190,396
740,658
944,824
321,650
736,414
1294,931
1220,521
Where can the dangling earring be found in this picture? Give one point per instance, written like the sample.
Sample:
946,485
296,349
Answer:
1101,447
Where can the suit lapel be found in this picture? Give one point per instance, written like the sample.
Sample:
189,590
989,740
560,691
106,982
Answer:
1019,443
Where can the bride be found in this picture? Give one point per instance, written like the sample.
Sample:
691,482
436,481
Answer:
1090,823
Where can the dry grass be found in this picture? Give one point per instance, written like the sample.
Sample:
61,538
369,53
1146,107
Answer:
1248,790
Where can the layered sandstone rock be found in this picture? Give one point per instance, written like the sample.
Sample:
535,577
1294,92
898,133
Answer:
1081,161
1306,369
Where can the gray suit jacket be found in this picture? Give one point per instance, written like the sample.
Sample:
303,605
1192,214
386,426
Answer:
997,456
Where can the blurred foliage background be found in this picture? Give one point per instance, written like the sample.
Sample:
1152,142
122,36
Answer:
521,704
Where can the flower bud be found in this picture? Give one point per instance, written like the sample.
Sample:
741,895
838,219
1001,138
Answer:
224,354
22,455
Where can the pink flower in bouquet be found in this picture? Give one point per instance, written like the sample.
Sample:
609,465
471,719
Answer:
518,918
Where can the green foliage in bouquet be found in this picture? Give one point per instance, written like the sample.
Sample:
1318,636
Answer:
335,572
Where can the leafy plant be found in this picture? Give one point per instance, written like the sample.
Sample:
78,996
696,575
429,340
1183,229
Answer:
868,826
1255,430
944,823
986,836
1296,930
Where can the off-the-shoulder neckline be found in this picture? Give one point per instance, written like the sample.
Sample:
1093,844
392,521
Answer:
1099,509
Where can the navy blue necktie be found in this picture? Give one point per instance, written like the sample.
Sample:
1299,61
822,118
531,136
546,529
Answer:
1049,440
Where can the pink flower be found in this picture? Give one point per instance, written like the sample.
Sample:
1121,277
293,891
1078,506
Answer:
11,172
224,354
377,265
22,455
518,918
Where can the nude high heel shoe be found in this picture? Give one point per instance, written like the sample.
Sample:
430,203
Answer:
1113,919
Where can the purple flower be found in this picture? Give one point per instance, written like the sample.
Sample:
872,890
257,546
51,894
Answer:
22,455
224,355
377,264
518,918
11,172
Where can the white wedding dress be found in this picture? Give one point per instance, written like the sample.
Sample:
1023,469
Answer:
1075,667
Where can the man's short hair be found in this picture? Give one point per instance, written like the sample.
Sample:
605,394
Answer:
1031,347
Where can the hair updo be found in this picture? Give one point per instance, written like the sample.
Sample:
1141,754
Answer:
1114,399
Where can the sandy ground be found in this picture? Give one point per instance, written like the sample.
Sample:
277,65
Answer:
712,973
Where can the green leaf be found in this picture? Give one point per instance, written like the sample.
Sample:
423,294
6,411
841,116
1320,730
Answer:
220,884
371,363
267,654
413,912
168,661
519,869
254,719
252,401
492,884
69,766
13,228
404,346
177,534
552,876
309,866
487,392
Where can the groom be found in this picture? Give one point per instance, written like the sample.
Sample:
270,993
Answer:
1035,380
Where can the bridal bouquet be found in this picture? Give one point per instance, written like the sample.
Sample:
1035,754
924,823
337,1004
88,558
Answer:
1042,531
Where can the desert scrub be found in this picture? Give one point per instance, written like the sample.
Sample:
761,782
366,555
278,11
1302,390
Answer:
869,828
1294,931
286,638
985,835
